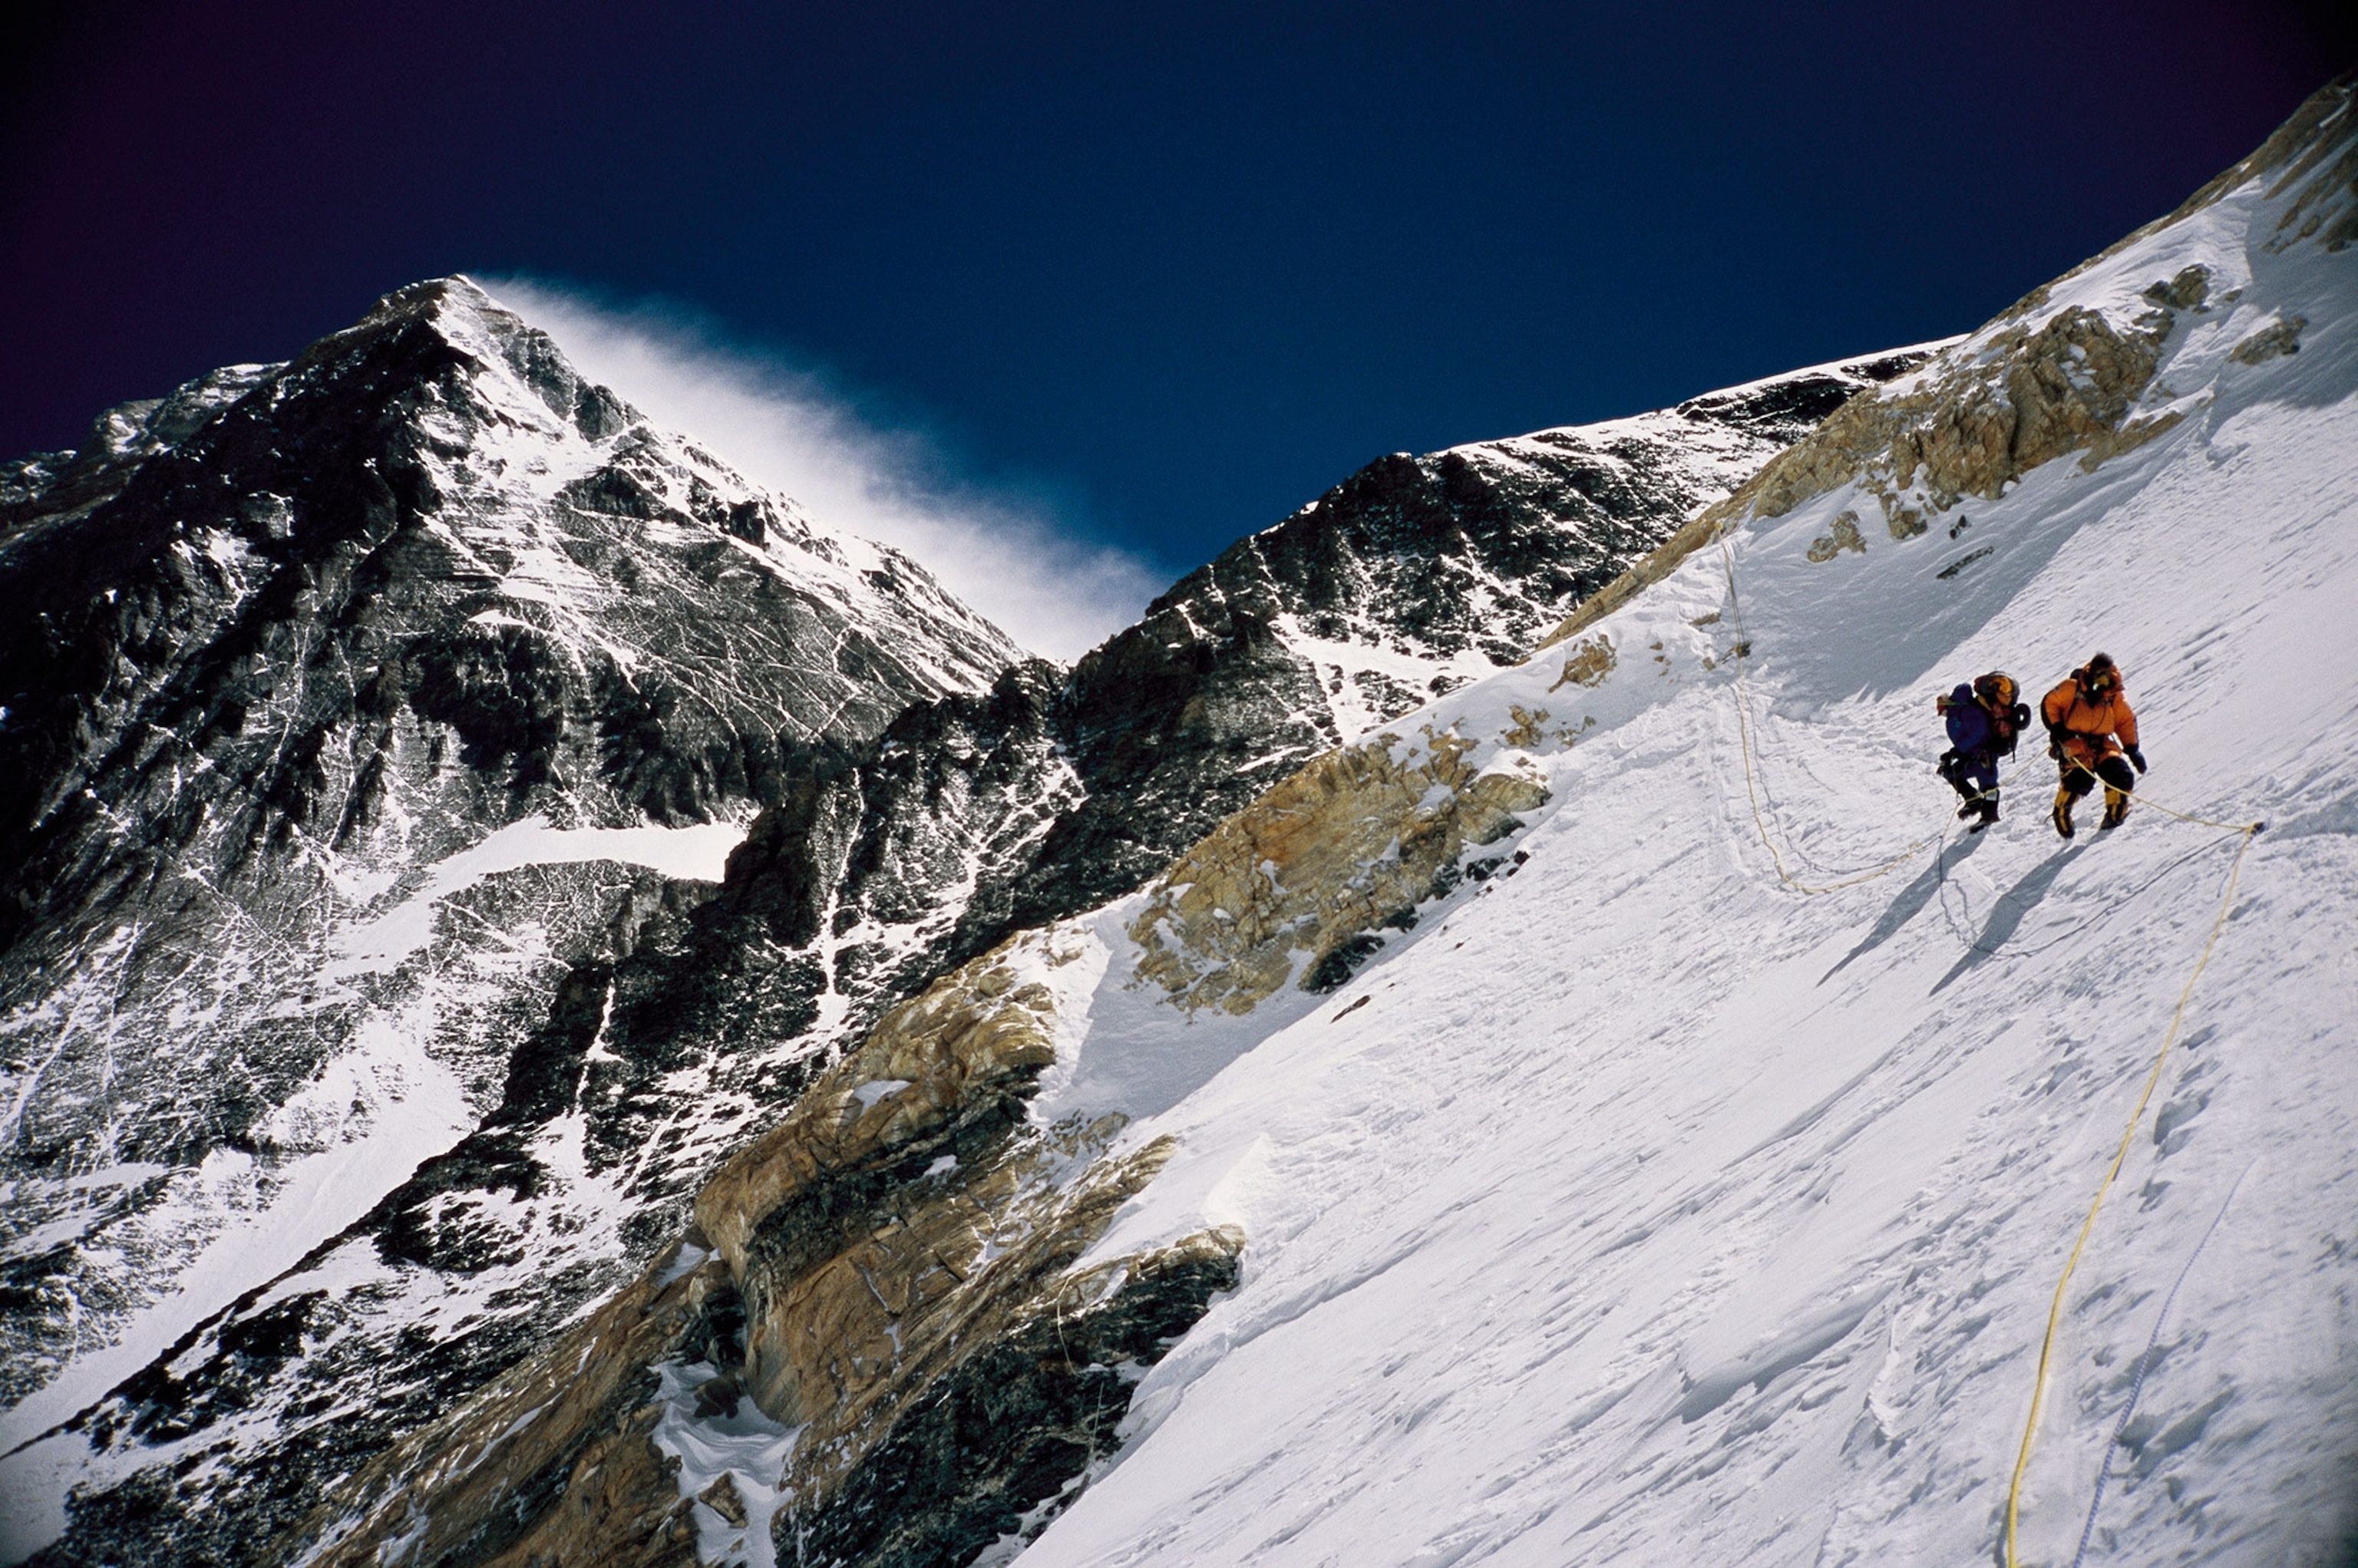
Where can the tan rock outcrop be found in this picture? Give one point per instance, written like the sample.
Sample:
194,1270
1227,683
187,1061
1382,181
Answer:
2028,387
1351,843
1977,419
2278,337
932,1065
895,1277
1842,535
1589,662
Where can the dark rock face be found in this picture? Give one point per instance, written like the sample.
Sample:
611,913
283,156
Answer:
989,1453
320,630
322,670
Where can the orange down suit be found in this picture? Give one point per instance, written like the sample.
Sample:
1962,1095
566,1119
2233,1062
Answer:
2090,727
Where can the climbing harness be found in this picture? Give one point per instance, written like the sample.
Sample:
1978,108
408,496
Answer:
2247,831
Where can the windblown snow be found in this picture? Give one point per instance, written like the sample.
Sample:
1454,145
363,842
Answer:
1689,1182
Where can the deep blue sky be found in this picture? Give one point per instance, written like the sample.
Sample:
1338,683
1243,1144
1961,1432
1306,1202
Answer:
1176,268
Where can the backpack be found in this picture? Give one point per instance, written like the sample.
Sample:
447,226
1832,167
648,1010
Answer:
2008,715
1997,695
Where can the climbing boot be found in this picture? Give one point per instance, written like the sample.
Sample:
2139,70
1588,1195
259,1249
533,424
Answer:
1987,806
1967,809
2064,812
2117,808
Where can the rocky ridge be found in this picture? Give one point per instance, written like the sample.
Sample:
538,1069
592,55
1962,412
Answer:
864,1214
664,1021
2047,378
1295,887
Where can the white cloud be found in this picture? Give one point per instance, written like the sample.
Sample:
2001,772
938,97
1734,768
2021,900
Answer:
1005,555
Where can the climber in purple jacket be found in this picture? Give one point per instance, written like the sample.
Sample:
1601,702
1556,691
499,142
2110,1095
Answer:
1985,719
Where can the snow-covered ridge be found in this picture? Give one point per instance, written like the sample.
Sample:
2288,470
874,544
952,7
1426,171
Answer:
1513,528
378,692
2072,368
1637,1208
1619,1202
672,477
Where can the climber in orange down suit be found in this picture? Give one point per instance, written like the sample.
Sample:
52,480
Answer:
2091,728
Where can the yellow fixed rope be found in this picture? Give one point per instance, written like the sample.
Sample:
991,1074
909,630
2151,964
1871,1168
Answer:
2137,1117
1751,784
2249,830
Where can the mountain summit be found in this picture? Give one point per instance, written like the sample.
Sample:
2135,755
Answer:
1306,1084
373,992
353,700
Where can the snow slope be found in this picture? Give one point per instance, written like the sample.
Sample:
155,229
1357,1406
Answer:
1637,1208
1626,1119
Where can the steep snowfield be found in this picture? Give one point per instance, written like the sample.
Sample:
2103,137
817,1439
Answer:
1637,1208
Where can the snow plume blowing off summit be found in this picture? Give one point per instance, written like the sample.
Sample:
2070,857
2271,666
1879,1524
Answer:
784,428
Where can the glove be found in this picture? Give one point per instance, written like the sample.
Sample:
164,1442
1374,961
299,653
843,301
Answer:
2135,757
